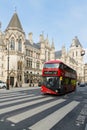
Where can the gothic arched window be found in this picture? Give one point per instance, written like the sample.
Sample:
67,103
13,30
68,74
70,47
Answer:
19,45
12,44
19,65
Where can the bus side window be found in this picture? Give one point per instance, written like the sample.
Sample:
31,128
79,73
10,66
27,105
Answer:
61,66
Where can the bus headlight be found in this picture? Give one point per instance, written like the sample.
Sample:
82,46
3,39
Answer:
56,91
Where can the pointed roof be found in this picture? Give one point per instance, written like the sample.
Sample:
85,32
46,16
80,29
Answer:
52,45
75,42
14,23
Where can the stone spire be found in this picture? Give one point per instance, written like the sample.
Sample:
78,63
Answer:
75,42
14,23
52,45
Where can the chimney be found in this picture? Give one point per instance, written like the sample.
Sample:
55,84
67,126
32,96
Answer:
30,37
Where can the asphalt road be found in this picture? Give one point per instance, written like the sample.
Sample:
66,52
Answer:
28,109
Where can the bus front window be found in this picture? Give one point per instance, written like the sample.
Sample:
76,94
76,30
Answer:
51,82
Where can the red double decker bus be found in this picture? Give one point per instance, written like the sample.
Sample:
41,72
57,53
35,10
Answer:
58,78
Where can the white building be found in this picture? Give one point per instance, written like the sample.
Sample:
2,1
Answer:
85,56
73,57
21,57
24,59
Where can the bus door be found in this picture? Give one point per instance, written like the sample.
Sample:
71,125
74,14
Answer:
62,87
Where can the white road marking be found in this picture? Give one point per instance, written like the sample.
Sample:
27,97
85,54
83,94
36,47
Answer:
15,100
11,95
16,107
22,116
48,122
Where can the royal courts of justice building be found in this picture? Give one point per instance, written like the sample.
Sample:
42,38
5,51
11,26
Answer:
26,58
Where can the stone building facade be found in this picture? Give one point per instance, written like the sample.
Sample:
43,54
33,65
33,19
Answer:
85,66
21,58
85,72
73,58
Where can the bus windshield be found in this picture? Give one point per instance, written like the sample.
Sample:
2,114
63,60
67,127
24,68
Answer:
51,82
52,65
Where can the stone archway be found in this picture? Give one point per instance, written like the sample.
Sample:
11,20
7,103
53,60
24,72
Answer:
12,78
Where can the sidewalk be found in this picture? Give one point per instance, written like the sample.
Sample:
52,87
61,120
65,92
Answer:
28,85
24,87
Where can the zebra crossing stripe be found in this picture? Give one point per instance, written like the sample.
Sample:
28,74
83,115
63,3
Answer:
22,105
11,95
48,122
15,100
22,116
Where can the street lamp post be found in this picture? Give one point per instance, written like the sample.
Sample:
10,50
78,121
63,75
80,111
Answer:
34,69
8,67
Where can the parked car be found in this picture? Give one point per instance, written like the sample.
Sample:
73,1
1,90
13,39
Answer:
82,85
2,84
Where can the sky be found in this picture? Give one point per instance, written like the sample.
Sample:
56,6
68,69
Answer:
60,20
